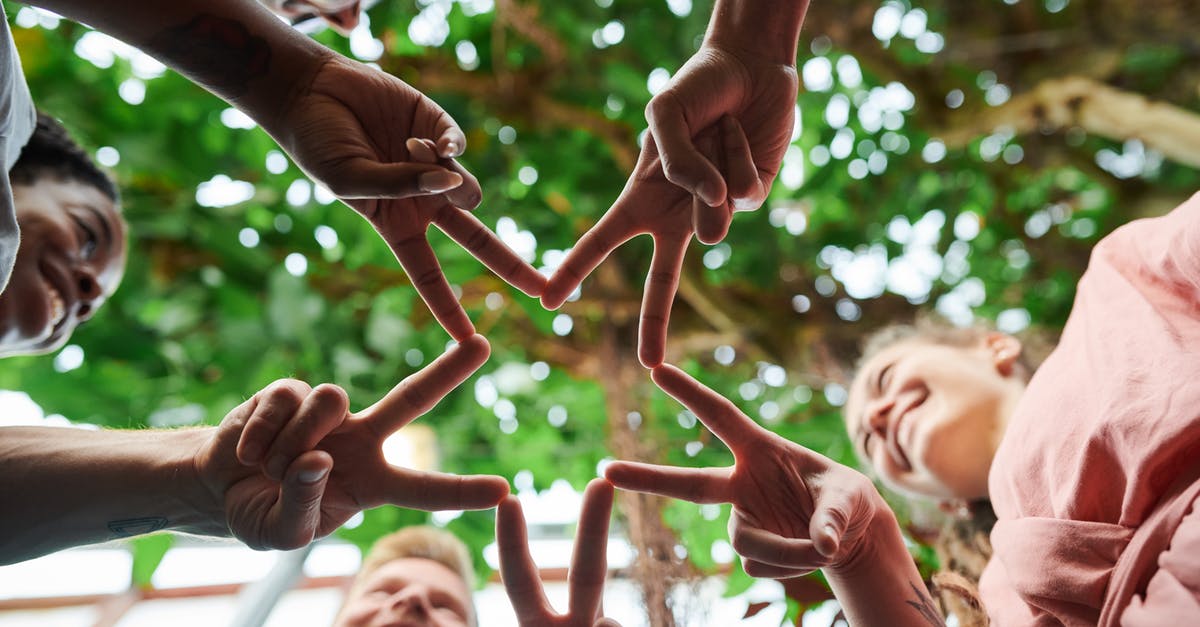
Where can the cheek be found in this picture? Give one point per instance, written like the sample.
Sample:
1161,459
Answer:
957,455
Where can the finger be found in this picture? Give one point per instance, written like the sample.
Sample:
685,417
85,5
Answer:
417,258
710,223
321,412
746,190
452,142
589,563
433,491
661,284
367,178
294,519
486,246
274,407
770,571
717,413
517,568
421,150
682,164
763,546
419,392
593,248
698,485
837,509
466,196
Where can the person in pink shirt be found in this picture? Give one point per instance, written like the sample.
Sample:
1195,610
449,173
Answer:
1091,463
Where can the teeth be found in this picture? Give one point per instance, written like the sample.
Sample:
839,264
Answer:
58,307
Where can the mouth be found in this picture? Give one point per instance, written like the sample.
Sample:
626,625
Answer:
60,301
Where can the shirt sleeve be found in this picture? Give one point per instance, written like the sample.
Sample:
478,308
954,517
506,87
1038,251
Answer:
1172,596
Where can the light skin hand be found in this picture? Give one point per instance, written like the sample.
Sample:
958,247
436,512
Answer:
649,204
794,511
589,564
291,464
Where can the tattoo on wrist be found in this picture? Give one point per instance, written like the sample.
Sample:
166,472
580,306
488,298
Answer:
216,51
130,527
923,604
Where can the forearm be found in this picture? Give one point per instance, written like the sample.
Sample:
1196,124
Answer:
67,487
768,28
235,49
879,584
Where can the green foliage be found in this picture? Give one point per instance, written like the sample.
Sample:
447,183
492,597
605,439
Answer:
202,321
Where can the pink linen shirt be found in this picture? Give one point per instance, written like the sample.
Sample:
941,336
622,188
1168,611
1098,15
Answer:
1094,480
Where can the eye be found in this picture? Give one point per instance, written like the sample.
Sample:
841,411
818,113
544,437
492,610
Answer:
88,239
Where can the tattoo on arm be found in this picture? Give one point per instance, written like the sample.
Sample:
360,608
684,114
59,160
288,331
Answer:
130,527
215,51
924,606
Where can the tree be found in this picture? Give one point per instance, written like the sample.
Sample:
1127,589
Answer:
961,156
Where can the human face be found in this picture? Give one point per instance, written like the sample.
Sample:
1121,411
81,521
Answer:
928,417
71,259
409,592
341,15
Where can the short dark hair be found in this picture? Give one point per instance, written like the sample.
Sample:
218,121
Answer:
51,153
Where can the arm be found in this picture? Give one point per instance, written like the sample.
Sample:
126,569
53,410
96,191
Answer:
289,465
794,511
66,487
347,125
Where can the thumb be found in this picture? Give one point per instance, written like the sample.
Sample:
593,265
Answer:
296,517
366,178
834,512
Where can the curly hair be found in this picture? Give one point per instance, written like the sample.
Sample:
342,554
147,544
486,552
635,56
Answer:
51,153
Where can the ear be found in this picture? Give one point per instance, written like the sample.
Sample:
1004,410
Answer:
1004,349
955,508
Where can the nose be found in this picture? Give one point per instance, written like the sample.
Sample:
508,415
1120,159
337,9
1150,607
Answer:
878,414
414,597
344,20
88,292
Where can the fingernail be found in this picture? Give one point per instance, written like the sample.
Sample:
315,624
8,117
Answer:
440,181
451,149
831,532
313,476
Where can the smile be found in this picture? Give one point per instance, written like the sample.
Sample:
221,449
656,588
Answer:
58,306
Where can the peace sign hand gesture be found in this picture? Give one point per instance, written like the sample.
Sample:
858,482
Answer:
794,511
353,129
291,464
589,563
651,204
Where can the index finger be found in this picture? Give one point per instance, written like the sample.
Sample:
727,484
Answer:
474,236
517,568
417,258
657,297
593,248
589,563
717,413
419,392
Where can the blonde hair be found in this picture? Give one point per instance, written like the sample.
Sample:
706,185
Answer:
420,542
962,544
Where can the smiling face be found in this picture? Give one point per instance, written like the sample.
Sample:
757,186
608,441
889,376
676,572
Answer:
928,417
408,592
71,259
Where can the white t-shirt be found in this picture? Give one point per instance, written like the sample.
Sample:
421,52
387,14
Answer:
17,121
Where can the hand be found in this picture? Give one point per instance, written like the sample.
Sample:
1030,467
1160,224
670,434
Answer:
794,511
648,204
724,84
291,464
350,130
589,563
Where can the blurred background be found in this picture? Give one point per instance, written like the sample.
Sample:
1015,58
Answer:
948,156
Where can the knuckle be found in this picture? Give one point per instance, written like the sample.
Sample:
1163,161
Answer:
330,394
287,392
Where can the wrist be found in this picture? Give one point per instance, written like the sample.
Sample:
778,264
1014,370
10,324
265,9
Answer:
196,505
763,29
